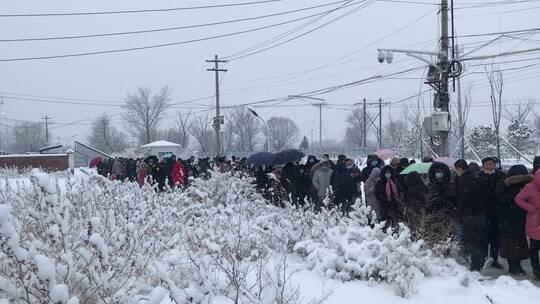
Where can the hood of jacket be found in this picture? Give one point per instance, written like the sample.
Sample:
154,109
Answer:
439,167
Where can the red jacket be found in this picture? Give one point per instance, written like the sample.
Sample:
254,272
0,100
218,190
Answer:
178,174
529,199
141,176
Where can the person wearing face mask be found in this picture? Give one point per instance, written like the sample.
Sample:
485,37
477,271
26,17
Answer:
372,162
311,161
355,173
438,207
388,193
322,181
488,179
467,197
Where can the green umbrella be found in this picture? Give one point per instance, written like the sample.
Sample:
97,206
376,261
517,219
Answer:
421,168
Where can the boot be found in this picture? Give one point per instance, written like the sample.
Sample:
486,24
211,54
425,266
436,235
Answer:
512,267
495,264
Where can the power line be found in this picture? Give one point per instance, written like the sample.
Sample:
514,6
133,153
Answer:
305,33
158,45
498,33
82,101
170,28
140,10
292,31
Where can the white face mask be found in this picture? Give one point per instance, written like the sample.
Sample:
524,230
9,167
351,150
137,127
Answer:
439,175
374,163
388,175
350,166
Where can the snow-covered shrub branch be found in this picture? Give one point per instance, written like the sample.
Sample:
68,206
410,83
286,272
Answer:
85,239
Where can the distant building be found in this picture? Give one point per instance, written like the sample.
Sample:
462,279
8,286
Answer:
161,148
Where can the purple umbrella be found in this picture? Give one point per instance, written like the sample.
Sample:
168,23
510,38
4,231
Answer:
385,154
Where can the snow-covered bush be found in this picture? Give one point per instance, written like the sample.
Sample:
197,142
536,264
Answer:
85,239
353,250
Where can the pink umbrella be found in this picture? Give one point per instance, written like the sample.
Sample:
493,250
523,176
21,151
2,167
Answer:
385,154
446,160
94,162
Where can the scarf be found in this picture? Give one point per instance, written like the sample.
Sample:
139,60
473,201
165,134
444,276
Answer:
391,190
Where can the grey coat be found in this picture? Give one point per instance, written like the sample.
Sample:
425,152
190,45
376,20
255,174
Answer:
321,180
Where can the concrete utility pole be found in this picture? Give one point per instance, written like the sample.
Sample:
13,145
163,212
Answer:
47,118
380,123
218,120
365,127
445,71
320,105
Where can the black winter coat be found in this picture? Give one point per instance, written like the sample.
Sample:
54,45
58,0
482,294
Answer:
466,195
437,198
511,217
342,184
488,182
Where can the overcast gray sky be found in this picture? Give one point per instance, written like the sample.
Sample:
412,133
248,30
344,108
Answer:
340,52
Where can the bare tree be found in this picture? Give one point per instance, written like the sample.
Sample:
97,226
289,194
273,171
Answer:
229,138
519,114
204,134
246,127
180,131
395,132
27,137
355,131
462,113
145,112
283,132
495,79
105,137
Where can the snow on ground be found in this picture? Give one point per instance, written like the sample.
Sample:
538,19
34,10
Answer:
83,239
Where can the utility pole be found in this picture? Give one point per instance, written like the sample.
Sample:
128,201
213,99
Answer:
47,118
218,120
445,70
365,127
460,116
380,123
320,105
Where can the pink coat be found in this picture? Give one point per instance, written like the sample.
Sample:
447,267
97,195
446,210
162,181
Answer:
529,199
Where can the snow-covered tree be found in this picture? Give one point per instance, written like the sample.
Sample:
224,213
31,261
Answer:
395,132
521,136
484,140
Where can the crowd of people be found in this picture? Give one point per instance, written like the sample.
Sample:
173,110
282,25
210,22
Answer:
488,213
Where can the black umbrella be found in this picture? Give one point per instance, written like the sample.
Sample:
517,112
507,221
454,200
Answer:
261,159
287,156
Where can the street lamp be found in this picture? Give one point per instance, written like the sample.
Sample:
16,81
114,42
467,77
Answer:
265,125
